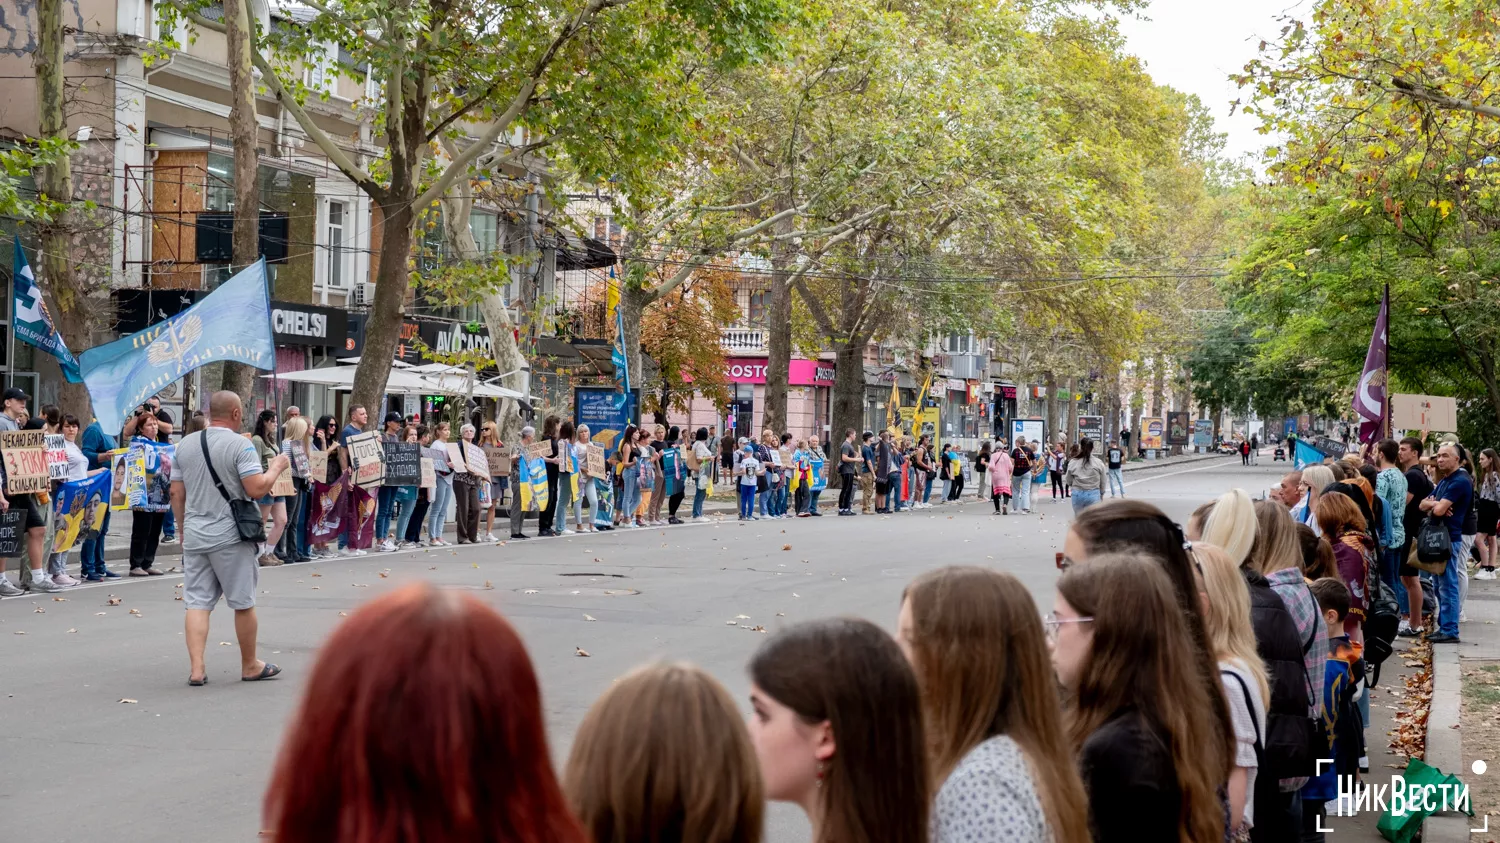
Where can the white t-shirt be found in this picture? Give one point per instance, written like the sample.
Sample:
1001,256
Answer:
749,468
78,464
1249,725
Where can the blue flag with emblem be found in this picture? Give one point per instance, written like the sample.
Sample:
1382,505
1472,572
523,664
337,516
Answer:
617,355
33,323
231,323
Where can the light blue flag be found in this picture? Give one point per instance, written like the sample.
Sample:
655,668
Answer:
231,323
33,323
617,354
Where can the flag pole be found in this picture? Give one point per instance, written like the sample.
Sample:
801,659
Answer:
1389,422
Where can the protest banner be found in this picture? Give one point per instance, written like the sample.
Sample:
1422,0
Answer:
25,455
317,465
499,461
148,475
12,530
365,452
79,508
403,464
57,456
476,459
539,450
429,474
456,456
284,486
595,459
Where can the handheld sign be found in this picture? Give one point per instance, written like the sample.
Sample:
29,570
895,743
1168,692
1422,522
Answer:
365,452
786,456
776,458
317,465
25,455
499,461
285,486
476,459
456,456
12,530
539,450
403,466
595,459
57,456
429,474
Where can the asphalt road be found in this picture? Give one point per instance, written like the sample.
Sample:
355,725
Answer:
191,764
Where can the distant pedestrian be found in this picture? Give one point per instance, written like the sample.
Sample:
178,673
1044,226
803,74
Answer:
1000,479
216,467
1021,458
1115,463
849,463
1085,476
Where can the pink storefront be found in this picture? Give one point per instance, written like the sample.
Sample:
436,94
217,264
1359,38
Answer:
809,393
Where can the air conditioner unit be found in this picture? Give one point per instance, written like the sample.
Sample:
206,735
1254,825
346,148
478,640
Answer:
363,294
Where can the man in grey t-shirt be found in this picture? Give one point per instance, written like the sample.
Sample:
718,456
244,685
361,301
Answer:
215,560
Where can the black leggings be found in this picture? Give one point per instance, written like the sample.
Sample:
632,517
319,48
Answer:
675,501
145,533
996,497
846,491
956,490
1057,483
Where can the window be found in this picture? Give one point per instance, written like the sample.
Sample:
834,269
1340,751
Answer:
321,74
336,277
760,302
218,183
482,226
959,344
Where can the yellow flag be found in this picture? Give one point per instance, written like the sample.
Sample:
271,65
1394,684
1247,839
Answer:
611,299
893,407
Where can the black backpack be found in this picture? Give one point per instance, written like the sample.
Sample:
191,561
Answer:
1382,619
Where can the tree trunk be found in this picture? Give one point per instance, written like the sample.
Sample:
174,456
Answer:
779,333
1072,410
633,302
238,377
1052,409
665,400
1158,384
849,391
56,184
508,360
384,325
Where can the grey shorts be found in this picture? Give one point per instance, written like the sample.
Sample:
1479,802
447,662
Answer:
232,571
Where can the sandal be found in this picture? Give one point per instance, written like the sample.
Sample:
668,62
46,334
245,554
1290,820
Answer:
197,682
266,672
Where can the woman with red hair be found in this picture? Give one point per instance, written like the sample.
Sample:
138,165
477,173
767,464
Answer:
422,723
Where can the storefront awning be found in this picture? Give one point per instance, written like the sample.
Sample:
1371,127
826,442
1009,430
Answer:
882,376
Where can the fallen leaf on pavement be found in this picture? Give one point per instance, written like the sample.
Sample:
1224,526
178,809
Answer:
343,614
127,701
317,574
786,547
488,585
40,611
756,628
178,597
731,623
472,564
589,617
19,632
225,644
135,611
113,601
64,600
532,591
73,630
581,653
101,614
383,574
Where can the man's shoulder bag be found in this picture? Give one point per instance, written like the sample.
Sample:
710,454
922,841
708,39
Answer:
246,513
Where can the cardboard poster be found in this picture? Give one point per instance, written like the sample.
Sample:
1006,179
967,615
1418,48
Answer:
595,460
367,454
1424,412
285,485
456,456
499,461
776,458
25,455
12,531
539,450
785,456
429,474
477,460
317,465
57,456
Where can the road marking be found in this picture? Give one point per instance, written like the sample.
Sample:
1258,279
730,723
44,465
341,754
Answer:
1175,473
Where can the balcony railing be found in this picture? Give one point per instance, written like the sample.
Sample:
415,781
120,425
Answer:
743,339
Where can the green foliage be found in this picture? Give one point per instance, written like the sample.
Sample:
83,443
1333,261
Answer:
19,198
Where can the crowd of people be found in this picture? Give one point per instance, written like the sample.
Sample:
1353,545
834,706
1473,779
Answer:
1181,688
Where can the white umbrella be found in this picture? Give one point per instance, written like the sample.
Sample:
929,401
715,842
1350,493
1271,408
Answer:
457,383
354,361
400,381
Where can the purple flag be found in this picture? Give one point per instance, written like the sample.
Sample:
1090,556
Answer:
1369,396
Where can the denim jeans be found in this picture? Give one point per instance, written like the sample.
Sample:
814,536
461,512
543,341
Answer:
1447,591
926,486
404,509
781,497
1085,498
385,502
92,555
698,497
1021,485
812,505
564,502
304,509
747,500
632,493
169,525
437,514
1116,481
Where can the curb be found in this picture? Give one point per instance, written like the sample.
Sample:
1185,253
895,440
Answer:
1445,741
1144,465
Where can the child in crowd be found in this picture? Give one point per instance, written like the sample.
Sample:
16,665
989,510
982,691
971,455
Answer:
748,471
1343,674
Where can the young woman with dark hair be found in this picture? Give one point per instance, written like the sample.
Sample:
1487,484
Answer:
1353,554
664,756
1152,753
837,726
996,745
422,721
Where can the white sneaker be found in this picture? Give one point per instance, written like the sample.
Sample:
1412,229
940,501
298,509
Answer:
1484,574
1404,626
8,588
64,580
570,532
46,585
490,537
387,546
348,551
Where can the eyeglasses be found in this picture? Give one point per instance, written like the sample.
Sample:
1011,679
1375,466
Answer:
1052,623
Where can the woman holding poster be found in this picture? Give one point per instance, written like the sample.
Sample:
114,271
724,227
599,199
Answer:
147,484
326,512
78,470
267,448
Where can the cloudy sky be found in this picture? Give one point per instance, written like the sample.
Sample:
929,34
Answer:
1193,45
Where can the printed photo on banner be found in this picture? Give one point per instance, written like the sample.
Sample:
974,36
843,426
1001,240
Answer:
79,508
148,475
366,452
25,456
57,456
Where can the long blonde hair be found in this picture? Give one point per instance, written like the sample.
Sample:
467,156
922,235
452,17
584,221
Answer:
982,665
296,428
1226,622
1277,545
1231,525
